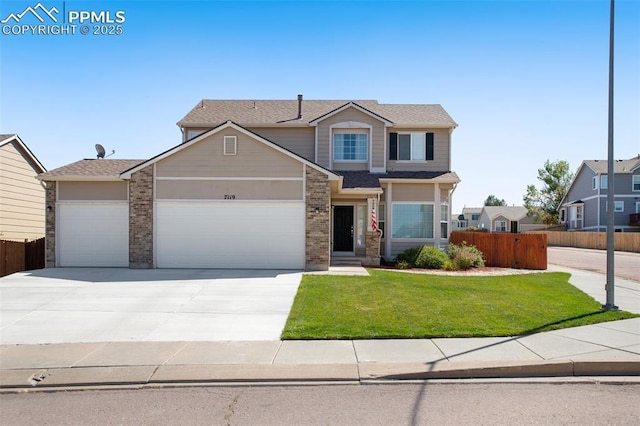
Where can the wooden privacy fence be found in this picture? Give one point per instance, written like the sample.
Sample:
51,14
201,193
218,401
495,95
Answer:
624,241
17,256
520,251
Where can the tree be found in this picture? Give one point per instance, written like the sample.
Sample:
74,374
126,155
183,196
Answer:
492,200
544,204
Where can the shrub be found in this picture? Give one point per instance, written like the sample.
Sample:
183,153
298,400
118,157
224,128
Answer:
465,256
403,264
408,257
450,266
431,257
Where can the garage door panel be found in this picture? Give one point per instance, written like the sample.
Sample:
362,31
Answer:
211,235
93,235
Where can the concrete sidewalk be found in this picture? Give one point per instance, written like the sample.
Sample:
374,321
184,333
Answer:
607,349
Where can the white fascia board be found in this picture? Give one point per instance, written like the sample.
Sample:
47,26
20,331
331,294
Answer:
81,179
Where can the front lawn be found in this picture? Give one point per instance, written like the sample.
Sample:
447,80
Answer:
404,305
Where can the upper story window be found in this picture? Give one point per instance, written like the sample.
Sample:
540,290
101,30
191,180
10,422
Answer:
635,183
604,182
350,146
193,133
475,216
411,146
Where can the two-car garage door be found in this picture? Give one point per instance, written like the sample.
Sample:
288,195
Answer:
263,235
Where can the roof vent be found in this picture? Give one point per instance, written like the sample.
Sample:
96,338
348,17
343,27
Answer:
299,107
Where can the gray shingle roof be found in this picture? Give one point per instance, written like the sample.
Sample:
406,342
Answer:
5,137
508,212
91,169
210,113
619,166
364,179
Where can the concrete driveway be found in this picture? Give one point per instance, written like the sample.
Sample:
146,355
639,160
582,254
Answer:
68,305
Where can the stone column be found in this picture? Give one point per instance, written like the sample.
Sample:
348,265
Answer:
141,219
50,225
317,220
372,249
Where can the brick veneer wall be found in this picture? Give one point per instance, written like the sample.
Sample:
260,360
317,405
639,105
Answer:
50,225
371,249
318,225
141,219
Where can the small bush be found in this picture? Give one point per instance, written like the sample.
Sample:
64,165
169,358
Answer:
465,256
431,257
450,266
403,264
408,257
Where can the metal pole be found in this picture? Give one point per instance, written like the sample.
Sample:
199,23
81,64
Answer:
610,305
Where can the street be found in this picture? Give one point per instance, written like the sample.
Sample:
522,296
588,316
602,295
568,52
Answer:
352,404
626,264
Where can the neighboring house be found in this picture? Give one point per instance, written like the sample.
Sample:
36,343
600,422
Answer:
21,194
262,184
467,219
584,207
507,219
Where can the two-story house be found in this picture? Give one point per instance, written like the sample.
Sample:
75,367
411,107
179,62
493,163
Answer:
584,207
263,184
467,219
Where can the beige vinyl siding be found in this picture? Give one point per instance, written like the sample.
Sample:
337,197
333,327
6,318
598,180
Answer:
441,161
299,140
86,191
351,114
418,192
205,159
21,197
240,190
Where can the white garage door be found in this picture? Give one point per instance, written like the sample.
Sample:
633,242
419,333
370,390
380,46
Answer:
93,234
215,235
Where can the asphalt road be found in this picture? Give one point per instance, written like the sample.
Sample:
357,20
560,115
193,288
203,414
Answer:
626,265
393,404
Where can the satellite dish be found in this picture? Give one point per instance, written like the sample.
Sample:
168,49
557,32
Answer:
100,150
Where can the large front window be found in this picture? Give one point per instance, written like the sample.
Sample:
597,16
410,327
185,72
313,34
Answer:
350,146
412,221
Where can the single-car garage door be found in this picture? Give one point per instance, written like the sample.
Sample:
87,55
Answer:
230,235
93,234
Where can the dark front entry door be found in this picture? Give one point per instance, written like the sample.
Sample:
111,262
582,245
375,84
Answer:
343,228
514,227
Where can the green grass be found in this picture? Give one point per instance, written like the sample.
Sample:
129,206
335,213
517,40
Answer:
402,305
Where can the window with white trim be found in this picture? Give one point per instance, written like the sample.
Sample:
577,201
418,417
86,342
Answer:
462,224
230,145
350,146
411,146
594,183
444,220
604,182
635,183
412,220
501,226
618,206
380,216
475,216
193,133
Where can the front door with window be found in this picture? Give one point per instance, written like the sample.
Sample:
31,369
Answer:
343,228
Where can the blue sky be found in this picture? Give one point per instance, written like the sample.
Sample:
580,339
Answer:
525,80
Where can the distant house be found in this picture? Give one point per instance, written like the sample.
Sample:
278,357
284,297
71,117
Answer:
21,194
584,207
507,219
467,219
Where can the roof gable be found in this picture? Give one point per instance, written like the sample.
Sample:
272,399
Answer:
346,106
127,173
507,212
22,147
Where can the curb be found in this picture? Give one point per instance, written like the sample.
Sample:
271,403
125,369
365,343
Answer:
25,379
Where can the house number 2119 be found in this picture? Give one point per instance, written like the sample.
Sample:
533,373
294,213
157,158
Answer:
229,197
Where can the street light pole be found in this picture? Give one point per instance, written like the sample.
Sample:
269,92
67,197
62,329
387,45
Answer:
610,305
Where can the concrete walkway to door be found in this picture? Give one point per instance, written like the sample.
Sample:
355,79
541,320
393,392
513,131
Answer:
73,305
